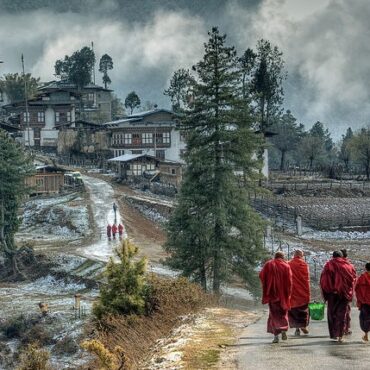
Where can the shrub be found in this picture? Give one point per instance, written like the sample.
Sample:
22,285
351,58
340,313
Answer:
107,360
67,345
126,289
16,326
38,334
34,358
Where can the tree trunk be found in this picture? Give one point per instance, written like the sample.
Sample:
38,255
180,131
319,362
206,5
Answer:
9,253
203,277
282,160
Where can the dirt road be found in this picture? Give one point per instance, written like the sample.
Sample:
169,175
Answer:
315,351
144,233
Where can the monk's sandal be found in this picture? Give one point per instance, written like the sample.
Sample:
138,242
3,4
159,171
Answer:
283,335
276,339
297,332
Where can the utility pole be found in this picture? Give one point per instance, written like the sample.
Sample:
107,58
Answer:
92,48
26,105
1,93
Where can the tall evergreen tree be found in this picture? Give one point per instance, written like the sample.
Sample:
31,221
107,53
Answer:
106,64
15,166
76,68
267,83
288,134
213,233
344,150
179,89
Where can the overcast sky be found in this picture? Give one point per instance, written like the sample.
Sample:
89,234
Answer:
325,44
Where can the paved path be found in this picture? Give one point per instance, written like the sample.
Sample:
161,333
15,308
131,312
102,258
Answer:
315,351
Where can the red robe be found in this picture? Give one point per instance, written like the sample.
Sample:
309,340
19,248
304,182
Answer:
114,229
301,282
338,276
337,285
276,278
362,290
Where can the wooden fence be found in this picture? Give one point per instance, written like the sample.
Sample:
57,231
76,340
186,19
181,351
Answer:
285,216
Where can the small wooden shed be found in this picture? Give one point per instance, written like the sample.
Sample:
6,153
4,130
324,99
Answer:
48,179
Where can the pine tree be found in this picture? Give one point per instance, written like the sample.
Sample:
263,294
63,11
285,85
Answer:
126,290
106,64
15,166
178,89
132,101
213,232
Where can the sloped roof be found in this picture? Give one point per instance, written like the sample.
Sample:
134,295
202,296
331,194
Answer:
137,117
129,157
64,84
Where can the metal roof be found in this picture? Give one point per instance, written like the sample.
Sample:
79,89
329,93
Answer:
129,157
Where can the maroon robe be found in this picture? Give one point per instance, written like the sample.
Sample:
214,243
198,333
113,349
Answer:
337,284
299,315
362,290
276,278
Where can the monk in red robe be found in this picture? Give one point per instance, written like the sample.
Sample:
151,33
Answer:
276,278
337,284
362,290
298,314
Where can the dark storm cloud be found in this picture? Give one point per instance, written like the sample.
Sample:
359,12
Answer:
325,45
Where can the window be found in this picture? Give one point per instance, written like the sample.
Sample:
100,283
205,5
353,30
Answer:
90,97
173,171
39,183
136,152
127,139
182,136
40,117
147,138
136,169
57,117
136,139
166,138
26,117
69,116
159,138
161,154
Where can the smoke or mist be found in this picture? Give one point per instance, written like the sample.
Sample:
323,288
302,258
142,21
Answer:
324,43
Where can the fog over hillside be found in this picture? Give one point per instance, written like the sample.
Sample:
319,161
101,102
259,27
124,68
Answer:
325,45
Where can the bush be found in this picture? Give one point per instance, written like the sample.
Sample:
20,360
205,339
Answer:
15,327
38,334
168,301
126,289
107,360
34,358
67,345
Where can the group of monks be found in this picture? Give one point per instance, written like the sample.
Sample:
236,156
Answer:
286,289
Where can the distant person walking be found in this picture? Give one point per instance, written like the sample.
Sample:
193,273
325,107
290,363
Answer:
337,283
120,230
114,231
362,290
276,278
109,231
298,315
115,212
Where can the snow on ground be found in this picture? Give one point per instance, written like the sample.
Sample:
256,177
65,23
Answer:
335,235
102,199
56,217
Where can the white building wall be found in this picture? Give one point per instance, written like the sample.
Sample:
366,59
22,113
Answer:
49,134
174,152
265,168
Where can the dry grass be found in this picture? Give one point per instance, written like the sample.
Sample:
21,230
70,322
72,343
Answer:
170,300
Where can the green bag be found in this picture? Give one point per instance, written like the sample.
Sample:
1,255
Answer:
317,310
